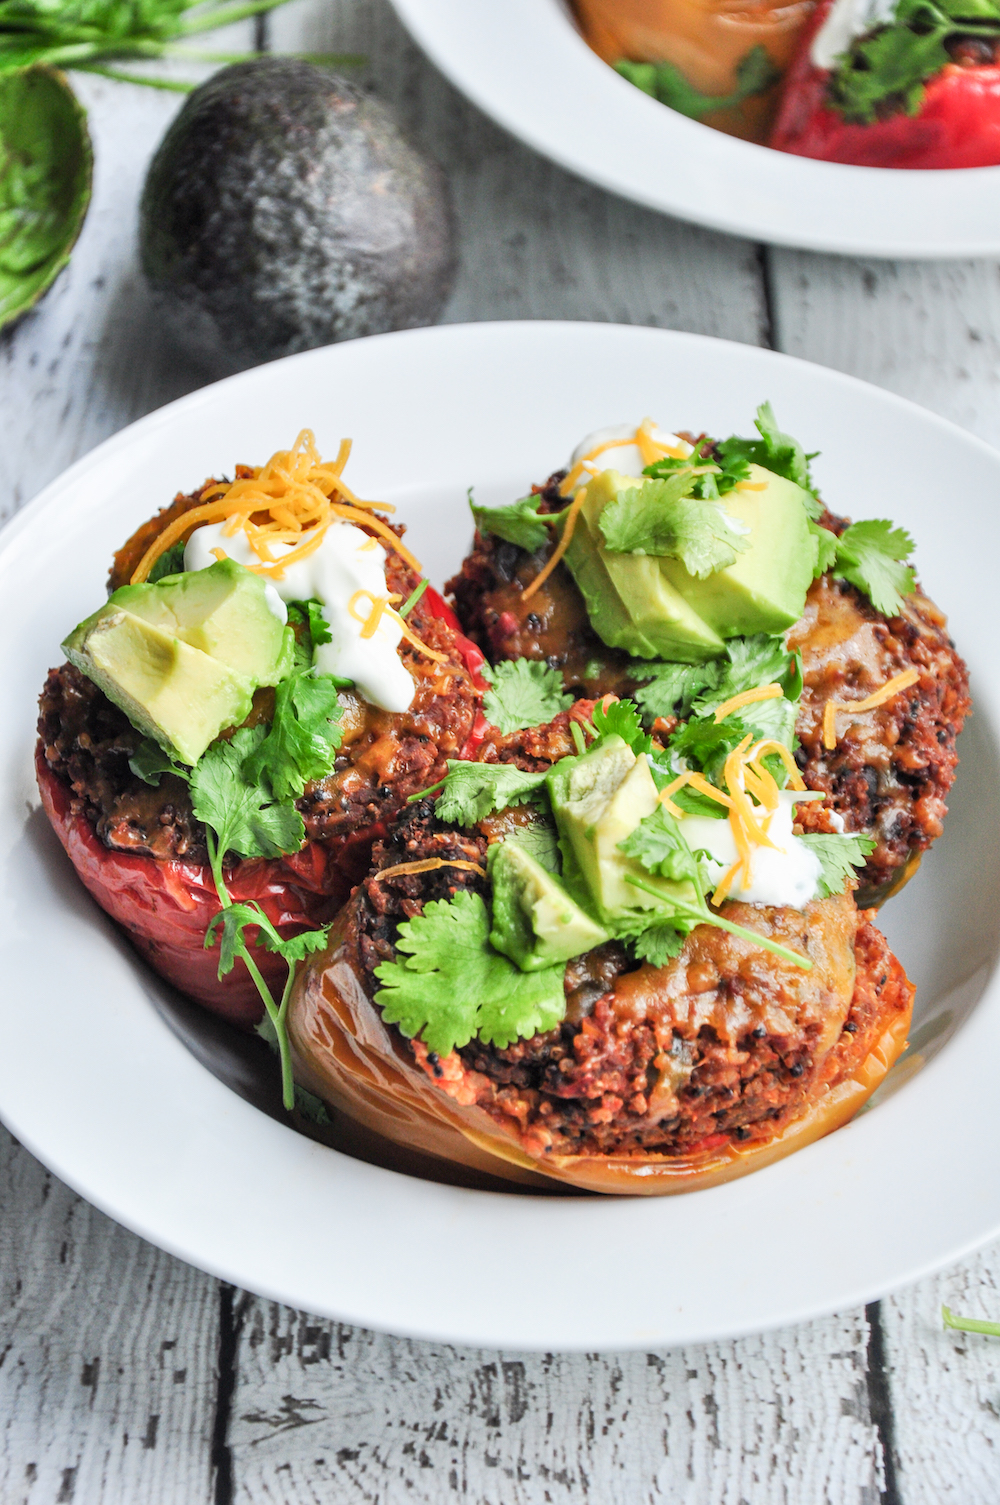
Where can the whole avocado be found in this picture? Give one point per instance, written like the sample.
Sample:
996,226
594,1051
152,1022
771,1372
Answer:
285,209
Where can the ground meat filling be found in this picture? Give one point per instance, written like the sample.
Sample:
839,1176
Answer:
384,757
725,1044
892,768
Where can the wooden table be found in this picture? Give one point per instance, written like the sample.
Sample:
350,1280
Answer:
128,1378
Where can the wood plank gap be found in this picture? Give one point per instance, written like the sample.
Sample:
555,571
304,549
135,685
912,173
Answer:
880,1401
261,33
232,1315
768,328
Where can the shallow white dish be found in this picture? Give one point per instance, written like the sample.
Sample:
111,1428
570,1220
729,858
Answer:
524,63
95,1079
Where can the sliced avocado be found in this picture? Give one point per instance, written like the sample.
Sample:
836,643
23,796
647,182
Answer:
223,611
765,590
168,690
631,603
535,922
597,803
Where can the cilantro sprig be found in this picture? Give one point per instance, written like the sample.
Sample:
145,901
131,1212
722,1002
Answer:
520,523
838,857
884,71
870,555
665,520
523,692
755,74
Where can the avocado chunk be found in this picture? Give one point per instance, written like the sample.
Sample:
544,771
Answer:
597,803
535,922
223,611
765,589
630,601
169,691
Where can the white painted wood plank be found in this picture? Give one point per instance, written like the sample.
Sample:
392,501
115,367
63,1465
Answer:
535,242
946,1387
107,1354
325,1412
927,330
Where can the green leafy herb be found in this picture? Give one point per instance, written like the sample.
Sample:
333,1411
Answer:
620,718
452,985
412,599
312,629
755,74
660,943
826,548
658,844
523,692
758,660
471,791
702,743
693,803
88,33
539,840
839,856
884,71
149,762
660,519
671,688
303,738
520,523
170,562
776,452
870,556
238,805
45,173
969,1324
722,475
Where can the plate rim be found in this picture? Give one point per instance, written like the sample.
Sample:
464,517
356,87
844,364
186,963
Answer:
506,333
844,200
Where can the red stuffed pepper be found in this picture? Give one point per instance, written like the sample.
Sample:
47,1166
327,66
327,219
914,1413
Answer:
322,758
911,84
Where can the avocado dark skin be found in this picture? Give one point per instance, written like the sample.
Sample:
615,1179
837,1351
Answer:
285,209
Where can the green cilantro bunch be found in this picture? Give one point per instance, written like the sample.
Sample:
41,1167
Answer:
243,790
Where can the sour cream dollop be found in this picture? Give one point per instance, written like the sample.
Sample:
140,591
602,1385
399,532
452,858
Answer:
347,561
847,19
625,457
788,876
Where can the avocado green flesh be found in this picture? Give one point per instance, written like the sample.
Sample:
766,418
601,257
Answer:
597,804
168,690
765,589
653,608
631,603
222,611
535,922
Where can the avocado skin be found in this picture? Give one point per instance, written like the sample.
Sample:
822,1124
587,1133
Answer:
285,209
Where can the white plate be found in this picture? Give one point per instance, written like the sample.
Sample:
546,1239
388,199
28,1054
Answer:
98,1084
524,63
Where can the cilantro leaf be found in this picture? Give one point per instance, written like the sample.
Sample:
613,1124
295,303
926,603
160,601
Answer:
451,984
313,629
302,742
755,74
523,692
671,688
474,790
870,556
539,839
520,523
663,520
703,743
775,451
661,942
839,856
238,806
659,845
725,473
170,562
149,763
826,548
693,803
620,718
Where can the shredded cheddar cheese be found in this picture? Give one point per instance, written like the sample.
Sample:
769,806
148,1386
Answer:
572,513
891,688
651,450
428,865
747,697
292,500
374,617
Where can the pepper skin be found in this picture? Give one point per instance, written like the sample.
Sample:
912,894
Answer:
957,125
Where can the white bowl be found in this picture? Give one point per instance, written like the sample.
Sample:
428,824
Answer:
524,63
95,1074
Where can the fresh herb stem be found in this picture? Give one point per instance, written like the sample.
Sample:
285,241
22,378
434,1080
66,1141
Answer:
215,862
423,793
969,1324
707,916
413,598
576,732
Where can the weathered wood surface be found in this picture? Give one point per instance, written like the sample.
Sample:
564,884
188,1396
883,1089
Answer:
126,1378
